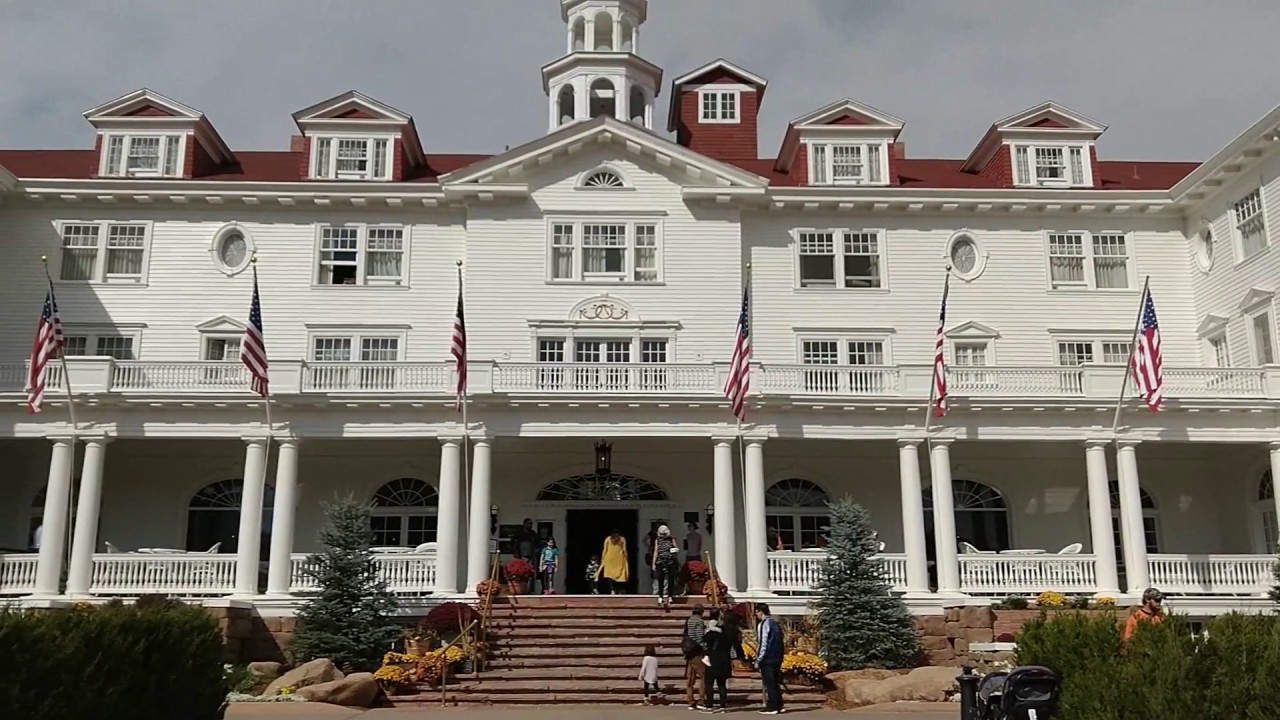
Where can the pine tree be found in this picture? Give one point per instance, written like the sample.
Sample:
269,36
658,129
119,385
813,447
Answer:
350,620
1275,589
861,623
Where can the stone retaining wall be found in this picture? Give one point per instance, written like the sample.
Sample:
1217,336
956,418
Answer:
249,637
946,638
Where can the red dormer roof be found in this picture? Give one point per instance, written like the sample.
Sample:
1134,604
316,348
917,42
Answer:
353,109
858,118
146,110
718,70
1048,120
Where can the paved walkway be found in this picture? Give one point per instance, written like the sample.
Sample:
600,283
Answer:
312,711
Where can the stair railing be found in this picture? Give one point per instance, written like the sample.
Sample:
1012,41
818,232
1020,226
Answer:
444,671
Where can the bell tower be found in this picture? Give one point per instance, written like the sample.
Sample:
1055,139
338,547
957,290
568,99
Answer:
600,73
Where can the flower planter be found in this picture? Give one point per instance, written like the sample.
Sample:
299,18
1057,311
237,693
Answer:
421,646
696,587
518,587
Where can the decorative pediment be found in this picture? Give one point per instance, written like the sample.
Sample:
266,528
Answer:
351,106
143,103
1050,116
973,329
221,324
719,68
603,309
1254,297
1212,325
848,112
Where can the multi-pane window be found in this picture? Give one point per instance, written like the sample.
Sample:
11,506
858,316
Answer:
866,360
968,357
222,349
605,252
1250,224
1071,353
379,352
120,347
1264,352
846,163
719,106
361,255
1219,351
1058,165
594,360
1089,260
331,349
104,252
970,354
840,258
348,158
142,156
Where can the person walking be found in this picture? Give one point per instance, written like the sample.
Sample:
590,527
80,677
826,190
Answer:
666,559
1152,611
692,646
649,673
692,543
720,640
769,658
615,569
547,565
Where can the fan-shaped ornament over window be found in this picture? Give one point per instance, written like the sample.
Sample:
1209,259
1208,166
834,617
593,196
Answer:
603,180
1148,503
406,492
795,493
226,495
610,487
1266,487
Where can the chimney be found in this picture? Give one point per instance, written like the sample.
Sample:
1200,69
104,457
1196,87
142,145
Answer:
296,143
899,150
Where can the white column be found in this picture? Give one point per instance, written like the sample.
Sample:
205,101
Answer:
1102,539
1136,572
944,518
913,535
88,507
283,513
753,509
447,519
478,557
726,522
1275,484
617,35
249,538
53,533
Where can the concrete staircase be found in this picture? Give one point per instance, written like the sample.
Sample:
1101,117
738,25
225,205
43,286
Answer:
586,650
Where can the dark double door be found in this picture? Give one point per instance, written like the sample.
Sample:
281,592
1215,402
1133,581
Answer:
585,531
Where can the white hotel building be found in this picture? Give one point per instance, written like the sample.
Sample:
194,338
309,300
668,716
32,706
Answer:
604,264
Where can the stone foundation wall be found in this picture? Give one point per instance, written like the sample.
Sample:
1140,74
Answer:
946,638
249,637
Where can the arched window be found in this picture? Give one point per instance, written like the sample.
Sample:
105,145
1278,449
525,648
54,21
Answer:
35,519
579,34
603,32
566,104
602,487
796,515
982,515
404,513
1266,509
628,35
639,106
603,98
213,517
603,179
1150,528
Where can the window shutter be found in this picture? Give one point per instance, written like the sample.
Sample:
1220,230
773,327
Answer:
171,144
1022,168
819,164
115,153
873,163
323,146
380,160
1077,166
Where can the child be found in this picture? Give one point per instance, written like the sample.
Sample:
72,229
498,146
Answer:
649,673
550,558
593,568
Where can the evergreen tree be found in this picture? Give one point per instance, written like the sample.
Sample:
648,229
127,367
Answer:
1275,589
350,619
862,624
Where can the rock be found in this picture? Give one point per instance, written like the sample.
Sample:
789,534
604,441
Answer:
864,674
960,645
263,673
979,635
934,642
315,672
925,684
954,630
357,690
932,625
952,614
977,617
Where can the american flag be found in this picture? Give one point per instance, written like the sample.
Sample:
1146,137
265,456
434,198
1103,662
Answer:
939,361
49,342
1146,360
740,365
253,348
458,348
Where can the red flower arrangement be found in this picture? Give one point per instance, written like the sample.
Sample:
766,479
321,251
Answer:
487,588
695,570
450,617
518,570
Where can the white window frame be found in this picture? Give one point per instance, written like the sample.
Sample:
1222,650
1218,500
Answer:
843,339
1251,316
1217,349
628,274
1237,221
357,336
1089,261
207,338
1028,175
170,163
988,346
99,275
838,258
94,335
329,171
719,114
822,162
1097,342
362,255
635,334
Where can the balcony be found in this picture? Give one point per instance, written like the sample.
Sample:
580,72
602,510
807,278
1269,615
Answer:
1098,383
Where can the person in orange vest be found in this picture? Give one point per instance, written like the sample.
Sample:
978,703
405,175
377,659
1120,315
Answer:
1151,611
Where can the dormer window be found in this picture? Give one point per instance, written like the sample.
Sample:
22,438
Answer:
351,158
719,106
143,156
1051,166
846,163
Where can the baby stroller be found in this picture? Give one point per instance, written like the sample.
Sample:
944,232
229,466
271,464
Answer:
1023,693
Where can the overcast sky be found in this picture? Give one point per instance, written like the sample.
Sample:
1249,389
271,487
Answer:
1174,79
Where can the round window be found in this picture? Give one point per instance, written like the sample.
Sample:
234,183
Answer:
964,255
1204,249
232,249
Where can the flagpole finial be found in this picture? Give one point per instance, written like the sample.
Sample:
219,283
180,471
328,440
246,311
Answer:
44,259
459,263
253,259
748,266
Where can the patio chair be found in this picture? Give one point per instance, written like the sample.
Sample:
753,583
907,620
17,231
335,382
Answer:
425,548
214,550
1072,549
112,549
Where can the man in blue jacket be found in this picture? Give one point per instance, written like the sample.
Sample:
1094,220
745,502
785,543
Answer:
769,658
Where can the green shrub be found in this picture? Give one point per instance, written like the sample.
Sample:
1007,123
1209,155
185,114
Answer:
1238,664
111,662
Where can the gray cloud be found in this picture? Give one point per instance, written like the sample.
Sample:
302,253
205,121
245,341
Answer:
1174,79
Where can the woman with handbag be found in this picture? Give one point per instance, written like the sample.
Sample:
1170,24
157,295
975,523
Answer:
721,640
666,559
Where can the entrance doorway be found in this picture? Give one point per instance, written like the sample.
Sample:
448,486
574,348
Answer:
585,531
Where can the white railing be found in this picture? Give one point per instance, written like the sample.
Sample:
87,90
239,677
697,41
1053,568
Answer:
1212,574
141,574
606,378
798,572
377,377
993,574
133,375
1215,382
827,380
1015,381
405,574
18,573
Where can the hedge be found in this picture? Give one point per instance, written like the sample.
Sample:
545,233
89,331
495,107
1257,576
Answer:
162,661
1227,673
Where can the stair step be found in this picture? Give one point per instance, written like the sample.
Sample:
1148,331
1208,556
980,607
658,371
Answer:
584,661
586,620
740,687
564,654
563,643
670,672
601,601
568,698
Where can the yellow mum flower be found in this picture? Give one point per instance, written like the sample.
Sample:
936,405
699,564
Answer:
1051,599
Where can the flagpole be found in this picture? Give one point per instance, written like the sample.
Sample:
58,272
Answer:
1133,348
742,443
933,380
71,415
466,428
266,397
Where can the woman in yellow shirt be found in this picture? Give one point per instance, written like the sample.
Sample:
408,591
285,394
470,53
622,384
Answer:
614,570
